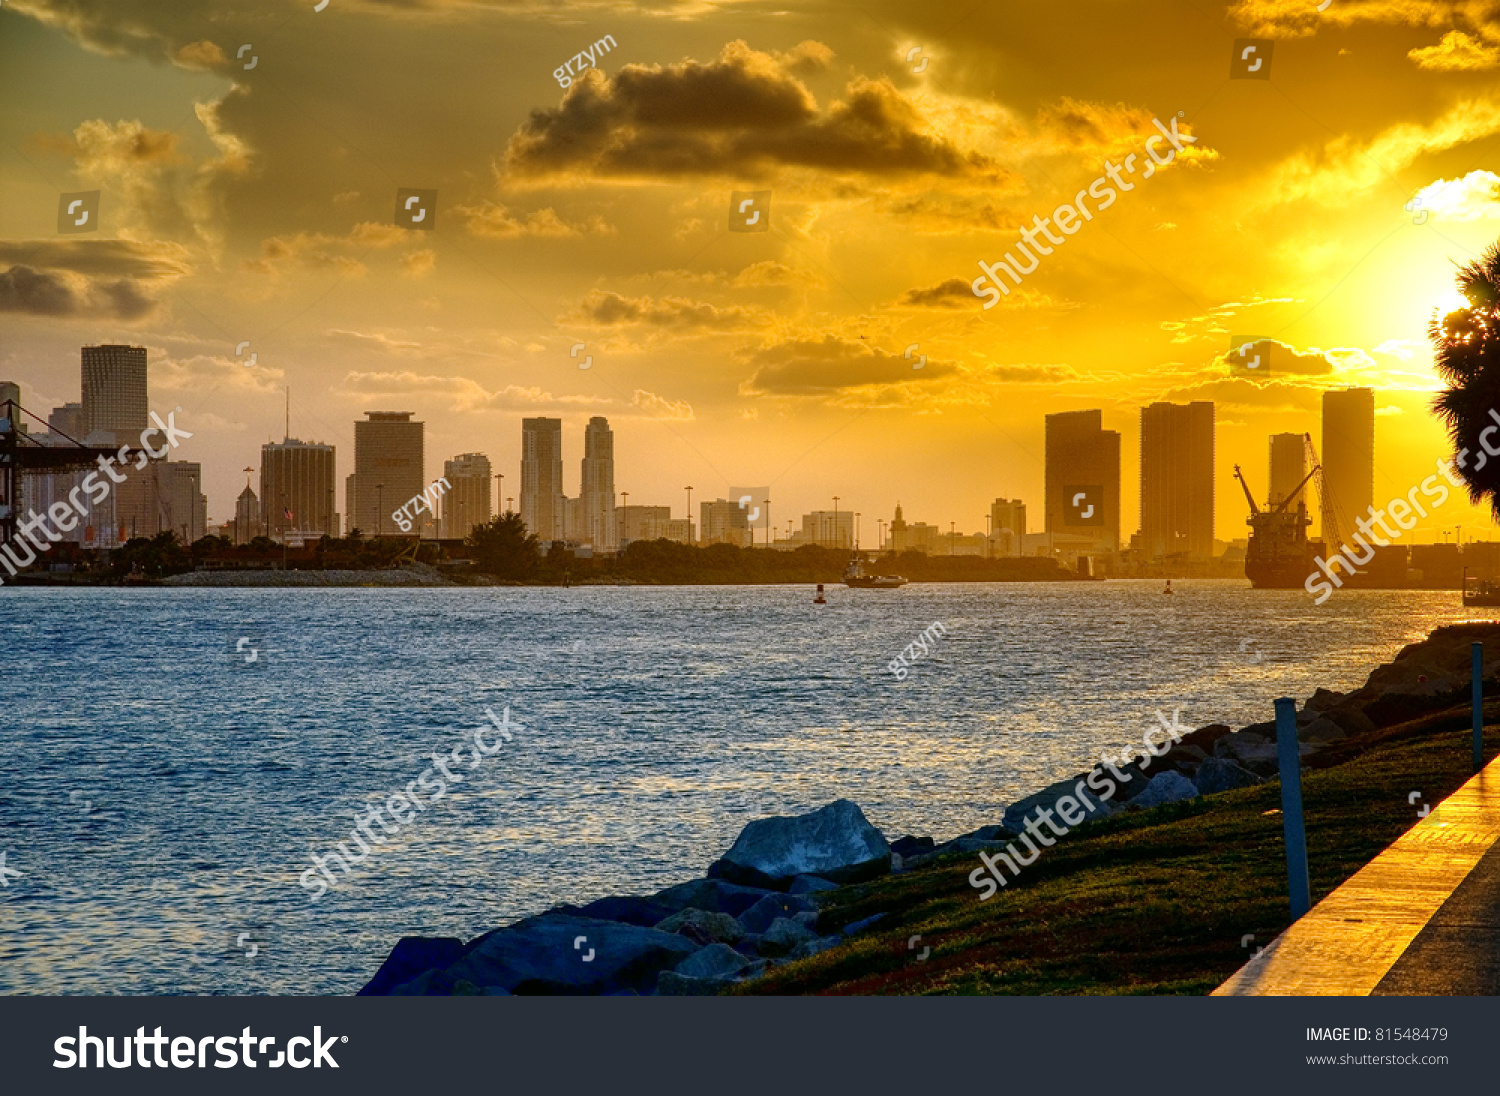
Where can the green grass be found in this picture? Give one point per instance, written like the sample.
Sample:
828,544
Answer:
1149,903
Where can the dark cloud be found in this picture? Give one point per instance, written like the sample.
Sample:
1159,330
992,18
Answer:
49,293
602,308
953,293
811,367
743,115
124,258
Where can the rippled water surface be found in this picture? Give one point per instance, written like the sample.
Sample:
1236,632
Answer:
165,790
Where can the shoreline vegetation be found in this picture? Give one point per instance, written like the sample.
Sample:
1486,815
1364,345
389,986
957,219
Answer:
502,553
1166,890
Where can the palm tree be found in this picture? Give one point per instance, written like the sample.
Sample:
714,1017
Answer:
1467,354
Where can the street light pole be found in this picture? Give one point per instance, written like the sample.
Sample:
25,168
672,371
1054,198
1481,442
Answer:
620,538
951,536
856,530
768,523
836,520
690,514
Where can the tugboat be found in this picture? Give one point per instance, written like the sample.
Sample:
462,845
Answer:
855,577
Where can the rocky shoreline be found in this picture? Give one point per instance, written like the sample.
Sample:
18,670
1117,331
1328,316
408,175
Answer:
761,903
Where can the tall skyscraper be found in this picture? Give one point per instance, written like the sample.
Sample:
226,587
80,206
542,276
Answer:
1348,452
1007,525
1177,479
541,478
467,501
1288,467
246,517
598,490
114,390
1082,459
298,476
179,492
389,463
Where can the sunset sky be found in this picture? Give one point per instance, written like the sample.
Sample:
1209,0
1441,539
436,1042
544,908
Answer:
258,204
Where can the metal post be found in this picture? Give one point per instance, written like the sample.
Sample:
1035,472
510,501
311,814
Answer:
1476,687
1291,806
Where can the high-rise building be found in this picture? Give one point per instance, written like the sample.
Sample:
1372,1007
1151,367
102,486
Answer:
598,489
1348,452
297,477
724,522
179,493
644,523
114,391
1288,469
246,517
68,420
466,502
389,463
541,478
1082,459
828,528
10,392
1007,526
1177,479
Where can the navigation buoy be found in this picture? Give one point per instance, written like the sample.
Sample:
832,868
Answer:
1168,590
820,599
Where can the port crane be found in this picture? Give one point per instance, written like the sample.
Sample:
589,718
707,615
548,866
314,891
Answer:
1279,554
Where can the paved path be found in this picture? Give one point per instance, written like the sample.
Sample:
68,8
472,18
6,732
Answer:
1422,918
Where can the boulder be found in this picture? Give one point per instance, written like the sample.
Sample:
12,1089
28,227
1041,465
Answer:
714,961
1092,806
1205,737
783,936
1351,718
864,923
810,948
812,884
545,954
672,984
412,955
835,842
909,845
1231,746
627,910
1322,729
1322,700
703,926
714,895
1219,774
759,917
1165,787
430,983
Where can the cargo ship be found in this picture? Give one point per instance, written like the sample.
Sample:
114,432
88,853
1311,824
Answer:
1279,555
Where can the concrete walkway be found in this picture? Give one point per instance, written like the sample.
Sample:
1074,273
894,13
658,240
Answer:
1421,919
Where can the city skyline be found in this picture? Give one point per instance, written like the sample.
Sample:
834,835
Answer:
249,250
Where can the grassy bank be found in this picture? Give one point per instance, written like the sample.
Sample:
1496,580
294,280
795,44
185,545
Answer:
1151,903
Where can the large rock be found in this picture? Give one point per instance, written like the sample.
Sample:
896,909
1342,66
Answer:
1322,729
1219,774
812,884
538,955
710,894
672,984
758,917
1048,798
835,842
703,926
1167,787
1351,718
412,956
714,961
783,936
912,846
629,910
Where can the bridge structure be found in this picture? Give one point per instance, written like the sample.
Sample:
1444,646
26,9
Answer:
21,453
